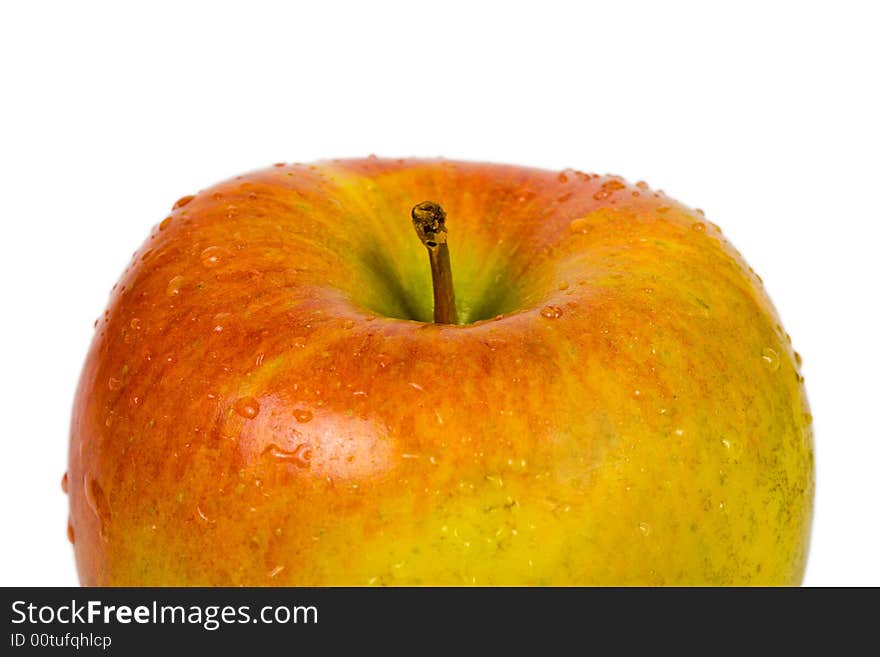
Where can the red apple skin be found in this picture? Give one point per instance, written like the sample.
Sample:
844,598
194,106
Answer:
245,416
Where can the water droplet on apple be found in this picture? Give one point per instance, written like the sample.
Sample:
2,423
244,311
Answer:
212,256
563,285
608,188
551,312
302,415
348,324
564,198
808,418
247,407
113,383
770,359
97,501
70,535
645,529
135,324
299,456
64,483
173,287
581,225
699,226
798,359
164,223
183,200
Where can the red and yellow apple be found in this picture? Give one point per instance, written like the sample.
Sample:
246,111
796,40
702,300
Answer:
267,400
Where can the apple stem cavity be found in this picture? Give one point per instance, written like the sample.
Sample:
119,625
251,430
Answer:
429,220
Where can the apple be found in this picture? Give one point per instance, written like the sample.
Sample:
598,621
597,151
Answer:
607,396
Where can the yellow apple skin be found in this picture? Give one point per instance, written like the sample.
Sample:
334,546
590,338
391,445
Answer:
266,402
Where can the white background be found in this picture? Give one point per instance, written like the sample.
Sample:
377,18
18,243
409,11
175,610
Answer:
763,114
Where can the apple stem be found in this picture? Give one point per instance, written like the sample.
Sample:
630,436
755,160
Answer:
429,220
